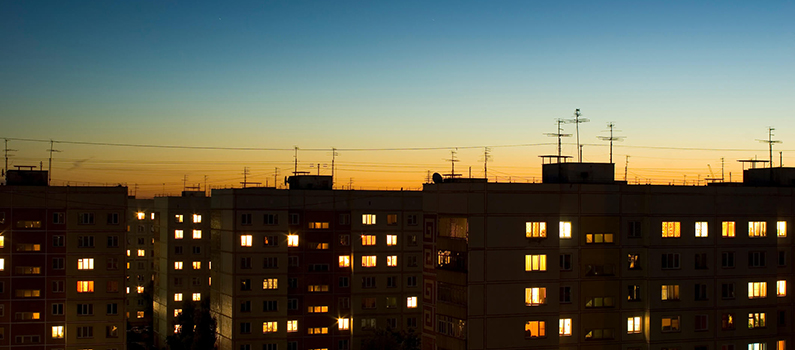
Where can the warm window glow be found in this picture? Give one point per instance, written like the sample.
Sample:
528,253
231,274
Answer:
197,234
756,320
536,229
317,309
178,218
269,327
368,239
727,229
670,292
535,262
270,283
535,329
564,327
57,332
391,239
292,326
345,261
781,229
2,241
128,252
197,296
317,330
670,324
757,229
411,302
141,215
391,260
177,328
140,314
633,325
565,229
197,265
178,265
701,229
140,289
598,238
178,234
197,218
245,240
535,296
177,296
781,345
141,252
85,264
2,264
177,312
781,288
757,290
368,261
292,240
368,219
85,286
344,324
317,288
152,216
318,225
670,229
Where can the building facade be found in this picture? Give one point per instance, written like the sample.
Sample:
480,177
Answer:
142,223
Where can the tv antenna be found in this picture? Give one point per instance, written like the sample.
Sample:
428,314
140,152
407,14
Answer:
245,178
334,155
559,134
453,159
49,167
611,138
576,121
770,142
318,167
486,159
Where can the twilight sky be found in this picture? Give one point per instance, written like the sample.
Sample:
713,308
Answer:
377,74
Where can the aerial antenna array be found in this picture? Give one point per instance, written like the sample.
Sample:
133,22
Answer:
576,121
559,134
770,143
453,159
611,138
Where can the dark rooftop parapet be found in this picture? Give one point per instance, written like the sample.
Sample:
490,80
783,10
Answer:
578,173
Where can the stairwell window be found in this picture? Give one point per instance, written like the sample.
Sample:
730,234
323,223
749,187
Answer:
781,288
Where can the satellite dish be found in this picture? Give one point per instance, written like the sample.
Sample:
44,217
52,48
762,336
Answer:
437,179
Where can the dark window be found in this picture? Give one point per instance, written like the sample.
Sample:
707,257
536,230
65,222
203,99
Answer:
245,219
271,241
756,259
700,292
295,219
412,240
85,218
113,218
411,220
58,241
565,294
701,261
292,283
245,327
292,304
197,250
782,258
270,305
565,262
245,284
57,218
292,261
727,290
85,241
633,229
113,241
85,309
670,261
782,318
245,263
411,281
270,263
633,292
57,309
270,219
57,264
727,260
391,282
343,282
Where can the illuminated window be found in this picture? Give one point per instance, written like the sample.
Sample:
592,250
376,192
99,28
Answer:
535,329
177,296
197,296
178,218
177,328
317,330
197,218
781,229
317,309
727,229
57,332
177,312
411,302
756,320
128,252
245,240
178,265
670,292
141,252
2,264
564,327
270,283
701,229
757,290
670,324
535,262
633,261
757,346
781,288
269,327
321,246
781,345
535,296
317,288
292,326
140,289
391,260
368,219
197,234
197,265
633,325
85,286
28,293
565,229
368,239
391,239
670,229
318,225
140,314
536,229
757,229
85,264
391,219
591,238
345,260
292,240
344,324
3,241
368,261
178,234
141,215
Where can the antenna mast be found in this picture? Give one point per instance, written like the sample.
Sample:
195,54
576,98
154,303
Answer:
333,158
6,151
770,143
452,161
295,171
559,134
577,120
486,157
611,138
626,165
49,166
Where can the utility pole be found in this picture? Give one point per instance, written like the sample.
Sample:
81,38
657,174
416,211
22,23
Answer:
611,138
245,176
559,134
722,179
626,166
49,167
577,120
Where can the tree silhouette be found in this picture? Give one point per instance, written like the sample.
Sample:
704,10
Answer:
198,328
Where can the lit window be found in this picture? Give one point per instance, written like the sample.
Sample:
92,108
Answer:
411,302
535,329
85,264
344,324
197,265
591,238
756,320
292,326
177,328
269,327
318,225
57,332
128,290
670,229
197,218
178,234
270,283
633,325
292,240
781,345
141,215
565,229
128,252
317,309
536,229
140,289
140,314
727,229
757,290
141,252
391,260
757,229
197,296
85,286
701,229
245,240
368,261
670,324
391,239
2,264
781,288
197,234
317,288
345,261
177,296
177,312
535,262
368,239
757,346
317,330
781,229
535,296
178,218
368,219
178,265
670,292
152,216
2,241
564,327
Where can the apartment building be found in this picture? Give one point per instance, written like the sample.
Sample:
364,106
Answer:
585,262
182,257
142,225
61,264
314,268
